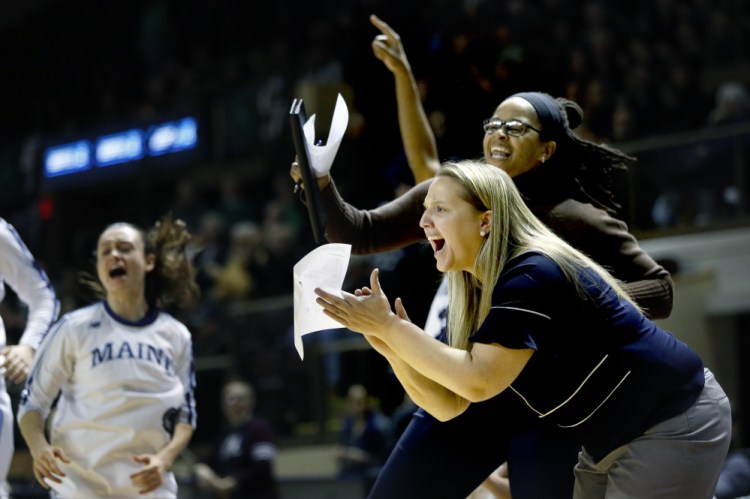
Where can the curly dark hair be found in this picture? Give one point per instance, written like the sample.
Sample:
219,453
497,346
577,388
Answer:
173,279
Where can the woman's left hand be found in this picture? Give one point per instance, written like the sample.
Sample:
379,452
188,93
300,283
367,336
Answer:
150,477
367,311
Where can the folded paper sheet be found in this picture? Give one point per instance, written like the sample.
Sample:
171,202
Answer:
321,156
324,267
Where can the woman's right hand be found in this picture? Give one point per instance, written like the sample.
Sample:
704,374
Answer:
388,48
45,465
296,175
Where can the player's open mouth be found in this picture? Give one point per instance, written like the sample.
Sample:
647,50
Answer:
117,272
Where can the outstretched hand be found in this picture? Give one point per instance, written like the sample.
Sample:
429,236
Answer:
366,311
387,46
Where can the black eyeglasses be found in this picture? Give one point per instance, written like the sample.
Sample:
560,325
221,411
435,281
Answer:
513,128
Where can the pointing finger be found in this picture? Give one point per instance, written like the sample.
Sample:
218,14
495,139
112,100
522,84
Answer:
382,26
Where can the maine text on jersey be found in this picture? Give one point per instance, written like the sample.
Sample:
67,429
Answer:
141,351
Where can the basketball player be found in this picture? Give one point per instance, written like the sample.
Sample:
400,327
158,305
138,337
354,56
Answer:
124,371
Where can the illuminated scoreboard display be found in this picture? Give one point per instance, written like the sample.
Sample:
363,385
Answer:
121,148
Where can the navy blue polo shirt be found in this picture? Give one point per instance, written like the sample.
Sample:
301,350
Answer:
600,367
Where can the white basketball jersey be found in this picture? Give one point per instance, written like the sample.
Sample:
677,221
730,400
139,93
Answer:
123,386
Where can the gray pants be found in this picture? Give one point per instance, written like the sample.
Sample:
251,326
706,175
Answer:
679,458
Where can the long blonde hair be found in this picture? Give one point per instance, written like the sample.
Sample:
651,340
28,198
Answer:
514,230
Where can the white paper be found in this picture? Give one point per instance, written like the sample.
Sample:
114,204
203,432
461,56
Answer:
324,267
321,157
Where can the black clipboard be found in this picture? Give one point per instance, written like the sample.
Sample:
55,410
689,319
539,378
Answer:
297,119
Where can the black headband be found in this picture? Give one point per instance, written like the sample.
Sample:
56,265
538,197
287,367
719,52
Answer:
548,111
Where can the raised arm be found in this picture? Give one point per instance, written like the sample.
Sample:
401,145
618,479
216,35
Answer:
417,136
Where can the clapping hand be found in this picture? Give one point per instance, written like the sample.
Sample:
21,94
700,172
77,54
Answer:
367,311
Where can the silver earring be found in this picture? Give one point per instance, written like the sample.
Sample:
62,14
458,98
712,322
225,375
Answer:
482,233
542,159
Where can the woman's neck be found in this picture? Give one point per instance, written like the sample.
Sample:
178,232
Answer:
128,307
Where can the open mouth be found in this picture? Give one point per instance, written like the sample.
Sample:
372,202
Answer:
118,272
437,243
499,154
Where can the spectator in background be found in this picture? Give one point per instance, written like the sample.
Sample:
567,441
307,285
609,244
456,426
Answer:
720,161
235,279
282,249
705,188
286,207
623,123
732,104
25,276
209,249
240,465
187,203
364,432
232,202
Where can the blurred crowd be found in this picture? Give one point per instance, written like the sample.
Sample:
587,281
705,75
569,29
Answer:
638,68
